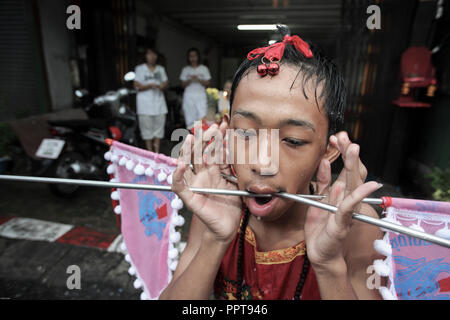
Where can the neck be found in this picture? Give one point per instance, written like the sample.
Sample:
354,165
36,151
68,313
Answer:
284,232
151,65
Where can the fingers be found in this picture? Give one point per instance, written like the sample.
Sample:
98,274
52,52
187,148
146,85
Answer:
351,202
178,185
323,176
342,142
352,176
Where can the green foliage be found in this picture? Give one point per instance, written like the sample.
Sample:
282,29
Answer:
440,181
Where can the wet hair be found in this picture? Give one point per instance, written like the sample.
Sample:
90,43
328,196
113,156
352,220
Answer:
319,69
193,50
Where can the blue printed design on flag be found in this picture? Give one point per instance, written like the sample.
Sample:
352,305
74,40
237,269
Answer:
148,203
418,279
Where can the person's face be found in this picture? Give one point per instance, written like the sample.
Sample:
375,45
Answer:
270,103
193,58
151,57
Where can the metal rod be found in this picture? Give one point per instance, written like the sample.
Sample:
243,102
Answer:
306,199
377,222
121,185
376,201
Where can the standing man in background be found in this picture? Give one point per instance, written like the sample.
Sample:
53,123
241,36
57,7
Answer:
151,80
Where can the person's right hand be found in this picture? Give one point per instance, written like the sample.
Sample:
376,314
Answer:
221,214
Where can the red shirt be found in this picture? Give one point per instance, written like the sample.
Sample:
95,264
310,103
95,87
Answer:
270,275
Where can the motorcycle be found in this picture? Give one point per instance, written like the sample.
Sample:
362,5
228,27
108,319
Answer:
77,146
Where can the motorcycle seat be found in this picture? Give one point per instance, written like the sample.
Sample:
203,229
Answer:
80,124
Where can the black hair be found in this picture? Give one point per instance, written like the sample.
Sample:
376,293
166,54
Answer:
153,49
319,69
193,50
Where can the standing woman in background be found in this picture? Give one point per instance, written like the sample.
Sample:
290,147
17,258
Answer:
151,80
195,77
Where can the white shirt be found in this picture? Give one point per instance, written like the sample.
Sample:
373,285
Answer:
150,102
195,87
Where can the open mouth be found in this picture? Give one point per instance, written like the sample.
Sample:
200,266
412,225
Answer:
262,205
263,200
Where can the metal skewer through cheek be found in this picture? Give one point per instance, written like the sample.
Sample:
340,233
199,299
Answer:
307,199
376,222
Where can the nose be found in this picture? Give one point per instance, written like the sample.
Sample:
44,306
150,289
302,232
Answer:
264,158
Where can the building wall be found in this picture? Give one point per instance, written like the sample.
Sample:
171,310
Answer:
173,41
56,44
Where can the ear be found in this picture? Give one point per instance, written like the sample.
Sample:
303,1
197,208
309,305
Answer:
226,118
332,153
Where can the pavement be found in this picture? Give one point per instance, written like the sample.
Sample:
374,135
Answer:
41,235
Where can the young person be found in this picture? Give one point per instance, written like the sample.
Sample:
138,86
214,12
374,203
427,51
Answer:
151,80
273,248
223,104
194,77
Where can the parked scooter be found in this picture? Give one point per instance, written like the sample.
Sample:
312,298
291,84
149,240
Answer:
77,146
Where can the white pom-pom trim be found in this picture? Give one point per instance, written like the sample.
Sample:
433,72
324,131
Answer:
386,294
174,237
123,161
381,268
382,247
123,247
169,179
115,195
110,169
144,296
149,172
137,284
114,158
162,176
118,209
139,169
178,221
176,203
173,265
128,258
173,253
107,156
129,165
132,271
444,233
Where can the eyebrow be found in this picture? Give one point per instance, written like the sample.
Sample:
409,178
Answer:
286,122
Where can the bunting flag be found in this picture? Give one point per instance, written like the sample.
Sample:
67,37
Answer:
415,269
148,218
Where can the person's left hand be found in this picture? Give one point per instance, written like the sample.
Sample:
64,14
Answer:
325,232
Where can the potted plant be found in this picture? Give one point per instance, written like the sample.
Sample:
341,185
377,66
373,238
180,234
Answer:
440,181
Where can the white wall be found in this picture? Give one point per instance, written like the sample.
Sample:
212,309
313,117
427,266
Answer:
173,41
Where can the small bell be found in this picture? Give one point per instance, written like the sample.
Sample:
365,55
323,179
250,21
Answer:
273,68
262,70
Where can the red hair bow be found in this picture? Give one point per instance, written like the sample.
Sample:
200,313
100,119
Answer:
274,53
